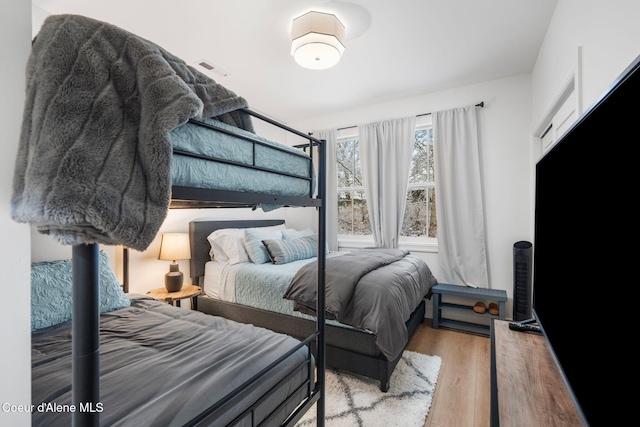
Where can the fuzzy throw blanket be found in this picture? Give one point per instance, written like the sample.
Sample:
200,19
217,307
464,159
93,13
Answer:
94,159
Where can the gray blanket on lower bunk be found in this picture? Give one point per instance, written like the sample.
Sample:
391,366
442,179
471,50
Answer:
93,163
162,366
372,289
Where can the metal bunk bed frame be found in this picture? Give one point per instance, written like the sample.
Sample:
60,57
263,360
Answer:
86,313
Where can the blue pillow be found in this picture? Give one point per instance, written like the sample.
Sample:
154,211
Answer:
253,238
291,233
288,250
52,291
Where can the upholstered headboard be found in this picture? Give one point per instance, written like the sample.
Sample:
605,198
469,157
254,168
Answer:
199,230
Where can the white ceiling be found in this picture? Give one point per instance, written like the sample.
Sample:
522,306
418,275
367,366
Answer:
395,49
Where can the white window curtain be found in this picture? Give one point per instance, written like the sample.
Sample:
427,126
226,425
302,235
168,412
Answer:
386,148
459,204
331,186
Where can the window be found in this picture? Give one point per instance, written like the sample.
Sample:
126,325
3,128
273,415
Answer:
420,209
420,214
353,216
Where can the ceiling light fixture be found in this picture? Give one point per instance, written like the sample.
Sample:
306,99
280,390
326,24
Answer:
317,40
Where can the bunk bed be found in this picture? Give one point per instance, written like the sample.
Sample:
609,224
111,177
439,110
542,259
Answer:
299,368
89,135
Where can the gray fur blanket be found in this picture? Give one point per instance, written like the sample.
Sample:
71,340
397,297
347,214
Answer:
94,159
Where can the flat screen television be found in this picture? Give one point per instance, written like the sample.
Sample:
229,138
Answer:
584,259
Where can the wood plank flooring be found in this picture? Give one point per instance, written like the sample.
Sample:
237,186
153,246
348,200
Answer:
462,397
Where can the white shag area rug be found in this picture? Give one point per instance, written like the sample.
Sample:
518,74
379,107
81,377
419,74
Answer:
357,401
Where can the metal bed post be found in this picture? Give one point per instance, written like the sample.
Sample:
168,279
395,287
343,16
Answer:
322,244
320,309
125,269
85,349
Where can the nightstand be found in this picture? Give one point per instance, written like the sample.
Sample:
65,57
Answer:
189,291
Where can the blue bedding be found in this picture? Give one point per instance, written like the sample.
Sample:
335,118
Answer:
264,285
203,173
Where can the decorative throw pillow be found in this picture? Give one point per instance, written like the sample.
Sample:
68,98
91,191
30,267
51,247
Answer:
290,233
52,291
253,238
288,250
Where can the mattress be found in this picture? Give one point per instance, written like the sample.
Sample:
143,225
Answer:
255,285
258,285
289,171
161,365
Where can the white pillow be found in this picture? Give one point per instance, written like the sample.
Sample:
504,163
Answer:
227,244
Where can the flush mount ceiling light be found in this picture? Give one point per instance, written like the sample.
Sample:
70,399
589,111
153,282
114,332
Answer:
317,40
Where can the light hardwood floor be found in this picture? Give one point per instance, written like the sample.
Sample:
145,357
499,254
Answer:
462,392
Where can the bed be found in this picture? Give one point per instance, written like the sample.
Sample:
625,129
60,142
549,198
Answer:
115,132
159,365
249,299
153,364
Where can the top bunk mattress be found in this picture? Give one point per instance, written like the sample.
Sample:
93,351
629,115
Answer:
215,155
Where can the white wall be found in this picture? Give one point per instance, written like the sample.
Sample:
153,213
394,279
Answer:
15,329
609,35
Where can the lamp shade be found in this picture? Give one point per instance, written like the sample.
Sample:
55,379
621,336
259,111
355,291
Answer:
317,40
174,246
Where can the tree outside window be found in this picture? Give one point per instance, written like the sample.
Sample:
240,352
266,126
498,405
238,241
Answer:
420,210
353,215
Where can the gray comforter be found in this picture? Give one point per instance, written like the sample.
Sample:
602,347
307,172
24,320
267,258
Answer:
94,158
162,366
372,289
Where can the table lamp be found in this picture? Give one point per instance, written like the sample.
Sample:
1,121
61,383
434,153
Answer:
174,246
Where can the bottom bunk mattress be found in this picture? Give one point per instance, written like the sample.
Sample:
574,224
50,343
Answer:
161,365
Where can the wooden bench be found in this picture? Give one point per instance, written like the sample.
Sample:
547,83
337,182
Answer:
474,295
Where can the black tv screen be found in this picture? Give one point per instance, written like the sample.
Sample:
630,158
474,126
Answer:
584,261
